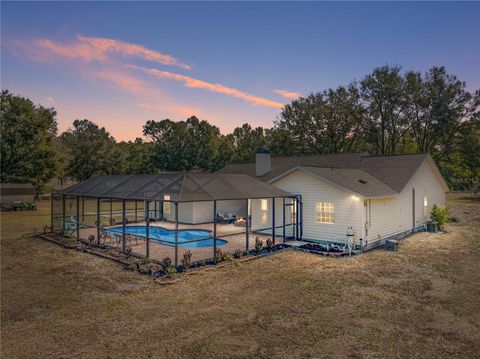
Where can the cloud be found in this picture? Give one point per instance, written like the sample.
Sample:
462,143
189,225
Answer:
287,94
129,49
214,87
96,49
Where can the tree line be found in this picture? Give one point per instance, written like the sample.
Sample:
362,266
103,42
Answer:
387,112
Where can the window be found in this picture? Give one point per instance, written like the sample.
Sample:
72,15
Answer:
264,210
166,205
425,206
325,212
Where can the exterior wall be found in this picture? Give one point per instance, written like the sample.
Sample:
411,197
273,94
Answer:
202,212
185,213
349,209
395,215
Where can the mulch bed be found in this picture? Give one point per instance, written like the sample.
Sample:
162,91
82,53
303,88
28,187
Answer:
149,266
323,250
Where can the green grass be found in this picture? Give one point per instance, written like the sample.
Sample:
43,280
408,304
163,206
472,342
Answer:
419,302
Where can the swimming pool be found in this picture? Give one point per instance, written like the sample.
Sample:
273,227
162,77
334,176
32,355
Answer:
167,237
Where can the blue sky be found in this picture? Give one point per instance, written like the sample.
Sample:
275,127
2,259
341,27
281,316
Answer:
92,60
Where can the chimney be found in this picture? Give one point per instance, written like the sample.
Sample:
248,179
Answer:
262,161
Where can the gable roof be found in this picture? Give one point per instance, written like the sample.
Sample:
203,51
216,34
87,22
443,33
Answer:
354,180
390,172
180,186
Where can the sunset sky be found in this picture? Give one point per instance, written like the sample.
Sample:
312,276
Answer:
121,64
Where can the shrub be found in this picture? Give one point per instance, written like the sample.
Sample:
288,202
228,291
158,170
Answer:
258,245
237,253
218,254
440,215
171,271
166,264
269,243
227,257
91,238
187,259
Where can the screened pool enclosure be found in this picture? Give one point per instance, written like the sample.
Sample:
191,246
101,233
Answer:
165,215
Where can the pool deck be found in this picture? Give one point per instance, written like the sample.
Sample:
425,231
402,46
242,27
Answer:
234,235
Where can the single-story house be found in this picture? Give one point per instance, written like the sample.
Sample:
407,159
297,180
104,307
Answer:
371,197
11,193
326,198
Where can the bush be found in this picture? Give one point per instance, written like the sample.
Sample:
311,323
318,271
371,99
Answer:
218,254
227,257
258,245
91,238
237,253
439,214
269,243
171,271
187,259
166,264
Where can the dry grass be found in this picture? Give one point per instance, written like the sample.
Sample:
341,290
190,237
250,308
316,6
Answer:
421,301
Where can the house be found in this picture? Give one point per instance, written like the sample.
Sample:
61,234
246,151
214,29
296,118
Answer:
375,197
12,193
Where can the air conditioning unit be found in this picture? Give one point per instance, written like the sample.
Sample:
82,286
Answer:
432,226
391,245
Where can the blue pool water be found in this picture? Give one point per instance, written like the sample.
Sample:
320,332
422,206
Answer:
167,237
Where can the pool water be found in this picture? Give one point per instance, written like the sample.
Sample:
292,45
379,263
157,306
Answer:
167,237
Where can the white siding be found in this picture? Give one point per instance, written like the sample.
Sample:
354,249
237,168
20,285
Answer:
349,209
185,213
202,212
395,215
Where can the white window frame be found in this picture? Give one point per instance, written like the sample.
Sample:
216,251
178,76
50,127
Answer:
264,211
325,212
167,208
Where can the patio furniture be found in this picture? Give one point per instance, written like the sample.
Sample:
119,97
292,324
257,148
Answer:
225,218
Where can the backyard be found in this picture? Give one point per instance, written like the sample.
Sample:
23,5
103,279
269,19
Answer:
419,302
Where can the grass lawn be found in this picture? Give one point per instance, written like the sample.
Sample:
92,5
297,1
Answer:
420,302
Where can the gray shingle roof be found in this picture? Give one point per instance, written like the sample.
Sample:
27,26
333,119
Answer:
354,180
393,171
182,187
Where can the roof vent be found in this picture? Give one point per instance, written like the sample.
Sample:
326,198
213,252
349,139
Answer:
362,181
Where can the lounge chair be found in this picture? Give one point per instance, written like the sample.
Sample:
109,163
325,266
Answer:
225,218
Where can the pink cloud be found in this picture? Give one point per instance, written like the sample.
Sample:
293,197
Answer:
129,49
94,49
287,94
214,87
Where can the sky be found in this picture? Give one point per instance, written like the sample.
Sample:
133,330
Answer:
121,64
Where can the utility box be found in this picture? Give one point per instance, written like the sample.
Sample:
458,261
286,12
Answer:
432,226
391,245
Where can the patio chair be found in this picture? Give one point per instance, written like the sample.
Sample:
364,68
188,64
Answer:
68,227
73,220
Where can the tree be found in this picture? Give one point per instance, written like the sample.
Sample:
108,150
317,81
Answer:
27,141
245,140
438,103
186,145
91,150
136,156
324,122
387,121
